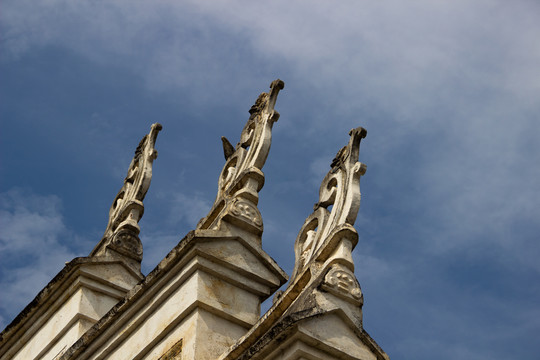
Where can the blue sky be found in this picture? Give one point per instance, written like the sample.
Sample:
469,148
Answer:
448,92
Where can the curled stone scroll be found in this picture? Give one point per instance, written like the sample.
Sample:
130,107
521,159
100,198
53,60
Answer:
122,232
241,178
328,230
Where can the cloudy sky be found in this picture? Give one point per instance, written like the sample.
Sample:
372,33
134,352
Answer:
447,90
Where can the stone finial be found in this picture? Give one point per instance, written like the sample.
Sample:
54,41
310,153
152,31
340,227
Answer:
122,232
323,286
328,232
241,178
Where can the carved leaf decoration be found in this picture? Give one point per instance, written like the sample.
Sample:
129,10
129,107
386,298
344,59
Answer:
241,177
228,149
339,201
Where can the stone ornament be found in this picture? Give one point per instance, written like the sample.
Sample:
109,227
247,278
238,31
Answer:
323,281
241,178
328,230
247,211
340,281
122,232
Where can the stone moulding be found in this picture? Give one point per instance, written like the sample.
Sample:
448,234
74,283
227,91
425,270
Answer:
241,178
121,238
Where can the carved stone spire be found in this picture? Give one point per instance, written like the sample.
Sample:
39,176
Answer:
241,178
328,231
121,238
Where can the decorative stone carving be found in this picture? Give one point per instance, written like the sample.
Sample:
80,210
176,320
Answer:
125,242
323,298
241,178
340,281
247,211
122,232
334,214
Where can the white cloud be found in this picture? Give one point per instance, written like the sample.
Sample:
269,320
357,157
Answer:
32,247
356,38
188,208
23,220
456,82
413,60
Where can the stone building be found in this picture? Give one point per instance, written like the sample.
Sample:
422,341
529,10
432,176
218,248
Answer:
202,301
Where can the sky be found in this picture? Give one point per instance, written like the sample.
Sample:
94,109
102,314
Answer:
448,92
